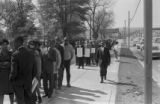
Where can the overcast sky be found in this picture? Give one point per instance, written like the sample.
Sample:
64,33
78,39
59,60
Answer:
121,8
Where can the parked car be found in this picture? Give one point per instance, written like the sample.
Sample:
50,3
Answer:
156,47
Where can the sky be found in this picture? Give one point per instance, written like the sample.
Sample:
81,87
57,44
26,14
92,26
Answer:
121,8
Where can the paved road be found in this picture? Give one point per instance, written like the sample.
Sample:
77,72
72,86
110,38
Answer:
155,65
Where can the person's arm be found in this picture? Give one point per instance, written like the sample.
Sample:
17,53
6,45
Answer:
38,63
72,52
53,57
109,57
59,59
34,72
14,67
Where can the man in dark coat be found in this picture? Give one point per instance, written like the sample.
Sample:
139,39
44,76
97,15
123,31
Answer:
60,72
104,60
5,67
23,69
48,67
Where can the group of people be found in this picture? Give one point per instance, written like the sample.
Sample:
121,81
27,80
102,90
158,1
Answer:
85,55
27,67
28,63
91,57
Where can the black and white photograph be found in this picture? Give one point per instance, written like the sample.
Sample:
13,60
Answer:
79,51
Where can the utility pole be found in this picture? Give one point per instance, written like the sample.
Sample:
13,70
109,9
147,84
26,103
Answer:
125,31
129,29
148,50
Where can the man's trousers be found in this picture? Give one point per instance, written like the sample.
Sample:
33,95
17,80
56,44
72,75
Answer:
48,83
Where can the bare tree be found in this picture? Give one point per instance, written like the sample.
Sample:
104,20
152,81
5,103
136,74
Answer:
105,21
94,21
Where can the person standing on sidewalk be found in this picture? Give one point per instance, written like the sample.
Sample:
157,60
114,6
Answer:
68,56
60,71
56,70
104,60
115,48
33,45
48,67
23,70
80,56
5,68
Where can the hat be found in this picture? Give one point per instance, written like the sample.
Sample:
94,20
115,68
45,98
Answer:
37,43
31,42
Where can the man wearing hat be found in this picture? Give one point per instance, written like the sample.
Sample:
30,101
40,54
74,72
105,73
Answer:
104,59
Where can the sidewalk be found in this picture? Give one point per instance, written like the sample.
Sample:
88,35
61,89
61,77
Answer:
86,87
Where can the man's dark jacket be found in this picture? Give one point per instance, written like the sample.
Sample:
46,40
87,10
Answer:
61,50
23,67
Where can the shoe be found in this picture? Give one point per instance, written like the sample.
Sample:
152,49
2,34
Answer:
101,82
68,85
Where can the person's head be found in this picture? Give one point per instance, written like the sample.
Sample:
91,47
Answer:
101,44
31,44
4,43
58,41
37,44
18,41
107,44
52,43
66,42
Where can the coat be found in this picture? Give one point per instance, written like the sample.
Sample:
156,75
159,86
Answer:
48,59
61,50
5,84
23,67
104,59
103,56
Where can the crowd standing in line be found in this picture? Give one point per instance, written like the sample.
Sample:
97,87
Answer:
27,65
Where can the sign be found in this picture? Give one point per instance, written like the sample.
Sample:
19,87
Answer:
87,52
79,52
93,50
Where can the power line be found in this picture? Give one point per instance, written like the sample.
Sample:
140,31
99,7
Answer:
136,10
